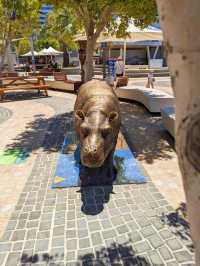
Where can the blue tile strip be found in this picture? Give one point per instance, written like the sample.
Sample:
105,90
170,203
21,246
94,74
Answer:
68,168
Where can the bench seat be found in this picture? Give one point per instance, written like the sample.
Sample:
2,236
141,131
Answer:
61,82
168,118
154,100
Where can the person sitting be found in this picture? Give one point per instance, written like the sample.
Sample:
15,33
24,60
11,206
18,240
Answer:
54,64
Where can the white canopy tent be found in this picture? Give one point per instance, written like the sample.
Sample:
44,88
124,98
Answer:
30,53
50,51
47,52
42,52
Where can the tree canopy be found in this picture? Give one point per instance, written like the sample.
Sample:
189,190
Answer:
21,18
62,26
95,16
18,20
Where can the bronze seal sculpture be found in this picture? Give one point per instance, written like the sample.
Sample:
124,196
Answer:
97,124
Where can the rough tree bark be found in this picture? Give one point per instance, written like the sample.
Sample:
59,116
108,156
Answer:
65,55
7,56
89,69
3,54
180,23
93,30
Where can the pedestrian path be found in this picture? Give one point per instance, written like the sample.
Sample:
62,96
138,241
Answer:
112,225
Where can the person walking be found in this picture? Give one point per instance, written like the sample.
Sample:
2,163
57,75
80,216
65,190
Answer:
150,80
119,67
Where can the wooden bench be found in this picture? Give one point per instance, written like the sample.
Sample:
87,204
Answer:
41,73
59,76
168,118
23,84
8,74
154,100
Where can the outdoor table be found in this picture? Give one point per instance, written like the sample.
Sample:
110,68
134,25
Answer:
22,83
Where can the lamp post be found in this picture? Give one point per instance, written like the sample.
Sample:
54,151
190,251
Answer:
82,57
104,57
32,52
124,56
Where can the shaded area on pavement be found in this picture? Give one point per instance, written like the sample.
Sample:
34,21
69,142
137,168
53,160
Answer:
145,133
22,96
51,226
115,254
178,221
30,139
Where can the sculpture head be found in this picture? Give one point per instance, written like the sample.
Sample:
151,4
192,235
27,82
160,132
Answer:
98,134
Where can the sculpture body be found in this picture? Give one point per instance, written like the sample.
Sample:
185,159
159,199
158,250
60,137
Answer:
97,123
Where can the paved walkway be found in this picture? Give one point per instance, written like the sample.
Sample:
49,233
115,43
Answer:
161,83
113,225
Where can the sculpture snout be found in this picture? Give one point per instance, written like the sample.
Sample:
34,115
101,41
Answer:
91,150
92,155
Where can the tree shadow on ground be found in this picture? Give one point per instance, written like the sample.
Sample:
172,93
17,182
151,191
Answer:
46,133
145,133
115,254
23,96
177,221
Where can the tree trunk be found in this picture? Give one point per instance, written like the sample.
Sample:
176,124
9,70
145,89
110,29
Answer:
8,53
4,52
88,66
181,27
65,55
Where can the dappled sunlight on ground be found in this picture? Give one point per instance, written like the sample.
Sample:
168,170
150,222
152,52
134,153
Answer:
154,148
146,133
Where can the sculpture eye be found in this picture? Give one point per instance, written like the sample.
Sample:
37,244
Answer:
105,132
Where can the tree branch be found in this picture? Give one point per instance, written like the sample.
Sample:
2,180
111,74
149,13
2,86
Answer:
104,18
81,15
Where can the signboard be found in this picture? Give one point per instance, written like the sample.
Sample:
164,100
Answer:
103,44
156,63
111,67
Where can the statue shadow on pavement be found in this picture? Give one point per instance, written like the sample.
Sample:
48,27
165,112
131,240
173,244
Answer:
94,198
95,185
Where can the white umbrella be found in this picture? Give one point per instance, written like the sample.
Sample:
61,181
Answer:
30,53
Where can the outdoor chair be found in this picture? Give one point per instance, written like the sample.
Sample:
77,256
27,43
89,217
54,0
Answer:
121,81
46,72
